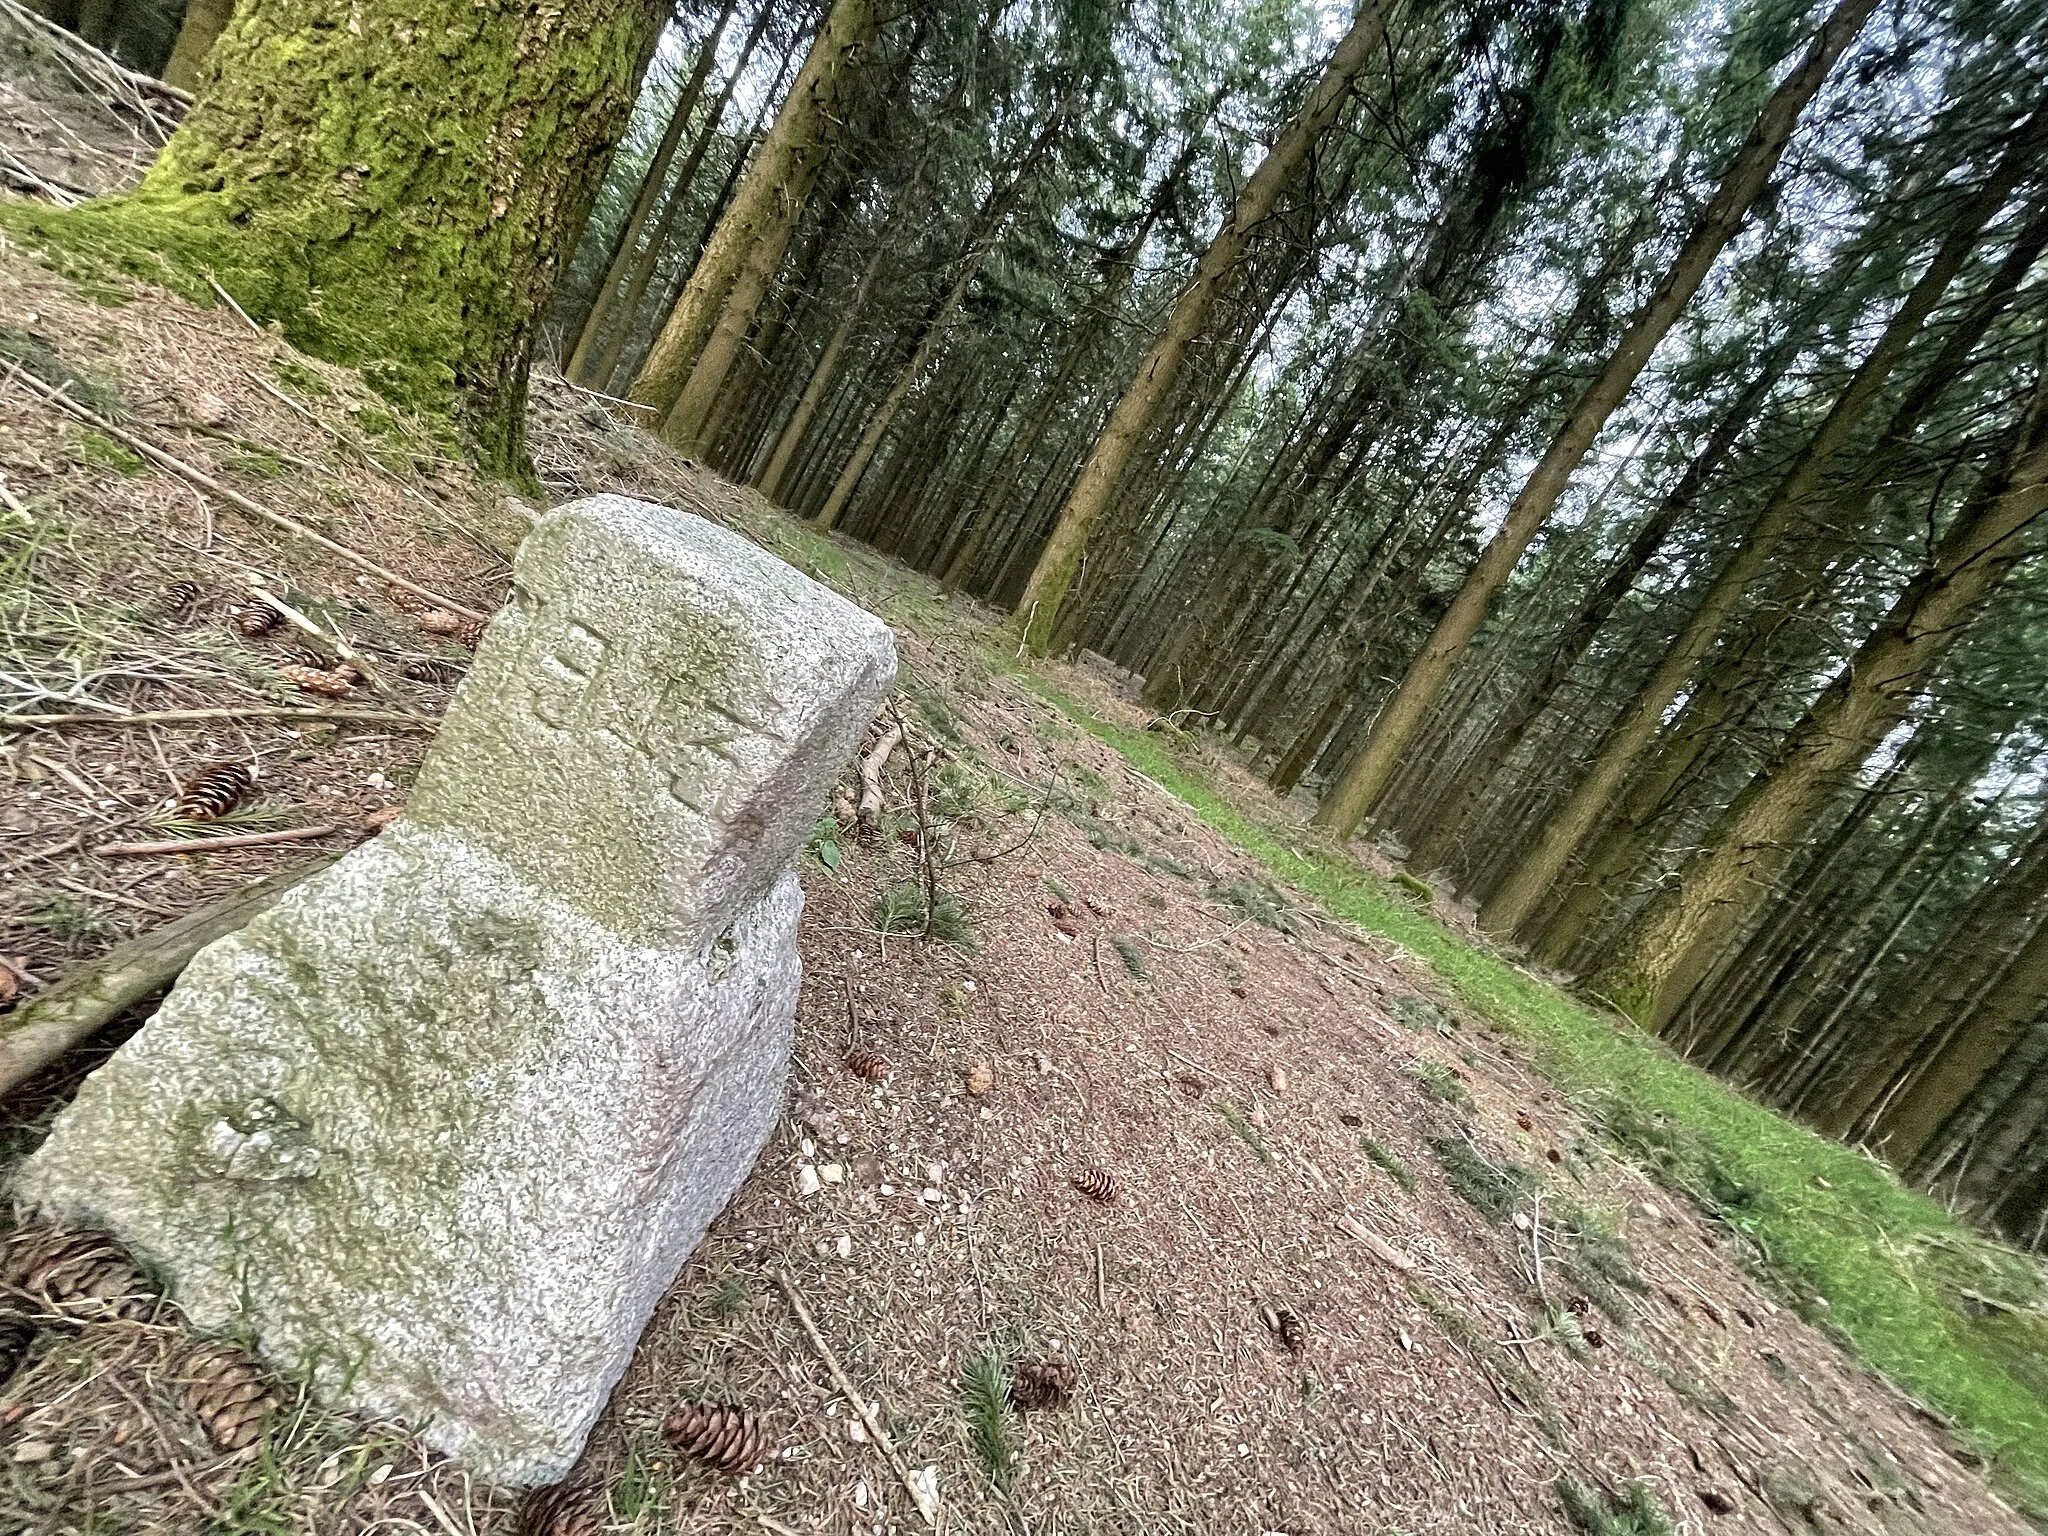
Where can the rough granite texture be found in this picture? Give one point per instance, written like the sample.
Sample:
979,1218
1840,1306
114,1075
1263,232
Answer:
444,1124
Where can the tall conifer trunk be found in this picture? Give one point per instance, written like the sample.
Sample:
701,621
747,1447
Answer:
1046,588
703,334
204,22
627,242
1511,906
1727,879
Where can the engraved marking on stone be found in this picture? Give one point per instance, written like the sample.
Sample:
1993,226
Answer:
566,672
685,726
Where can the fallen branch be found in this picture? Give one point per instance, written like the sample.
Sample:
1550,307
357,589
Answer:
336,642
78,50
23,177
920,1495
868,814
598,394
210,844
1382,1250
74,1010
188,716
63,402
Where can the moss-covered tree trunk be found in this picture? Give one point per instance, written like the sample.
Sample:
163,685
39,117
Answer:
397,183
204,22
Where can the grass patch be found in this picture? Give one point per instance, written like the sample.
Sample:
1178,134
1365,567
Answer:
102,452
1389,1162
1515,1377
1244,1130
1493,1192
1636,1512
900,909
1861,1240
1600,1262
1133,957
984,1399
1441,1084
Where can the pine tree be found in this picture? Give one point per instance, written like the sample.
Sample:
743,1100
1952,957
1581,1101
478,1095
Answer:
1352,797
702,335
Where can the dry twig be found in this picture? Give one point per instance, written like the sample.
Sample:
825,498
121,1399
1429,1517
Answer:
187,716
919,1495
213,844
74,1010
869,812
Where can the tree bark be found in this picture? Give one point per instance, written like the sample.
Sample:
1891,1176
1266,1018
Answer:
605,375
401,193
987,229
703,335
627,242
1934,1004
1912,1134
1725,881
1358,789
204,22
1046,588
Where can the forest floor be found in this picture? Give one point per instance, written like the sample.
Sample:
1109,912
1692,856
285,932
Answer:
1545,1277
1312,1095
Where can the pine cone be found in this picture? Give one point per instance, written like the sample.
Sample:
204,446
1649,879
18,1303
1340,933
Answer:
17,1332
432,669
1098,1184
255,621
572,1508
1288,1329
1038,1384
84,1275
228,1392
180,595
317,680
862,1062
215,792
457,627
728,1437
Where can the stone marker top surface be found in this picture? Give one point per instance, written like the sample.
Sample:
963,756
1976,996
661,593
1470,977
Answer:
641,730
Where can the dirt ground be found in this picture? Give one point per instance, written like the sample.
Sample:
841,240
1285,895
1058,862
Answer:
1304,1139
1144,1003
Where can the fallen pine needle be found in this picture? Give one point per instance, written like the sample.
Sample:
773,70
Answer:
234,498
